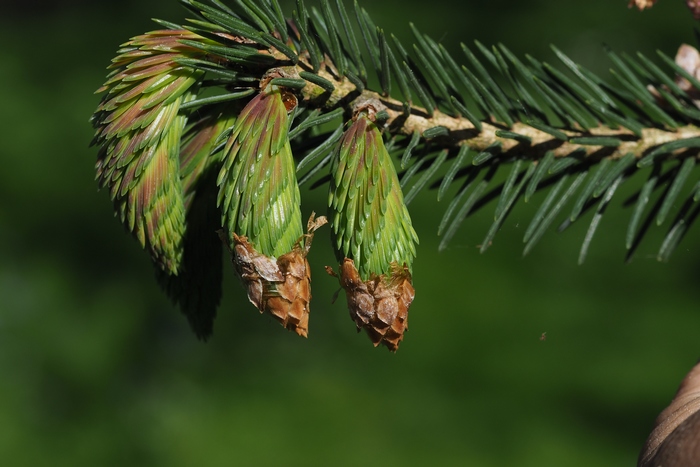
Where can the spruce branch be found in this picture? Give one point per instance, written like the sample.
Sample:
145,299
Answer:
246,93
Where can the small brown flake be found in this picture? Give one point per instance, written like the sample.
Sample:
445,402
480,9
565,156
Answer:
641,4
379,305
282,286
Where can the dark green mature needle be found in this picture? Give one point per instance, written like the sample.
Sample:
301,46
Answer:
638,69
255,15
385,71
353,46
233,24
412,171
668,148
595,222
318,81
489,56
487,154
544,207
464,81
562,164
542,83
166,24
507,188
642,201
314,119
542,169
435,131
467,207
690,112
672,239
518,87
239,54
576,69
429,58
425,178
217,99
221,72
661,76
620,167
355,80
319,30
548,106
278,10
282,47
434,53
307,41
302,11
628,74
317,168
403,54
514,136
400,78
494,106
278,24
467,114
589,187
541,227
644,103
308,122
608,115
558,134
686,167
569,107
224,7
321,148
683,221
381,117
289,83
333,30
452,171
370,25
415,138
507,205
431,71
487,78
587,97
473,174
422,95
370,43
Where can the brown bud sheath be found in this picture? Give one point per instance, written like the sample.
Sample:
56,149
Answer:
282,286
379,305
688,58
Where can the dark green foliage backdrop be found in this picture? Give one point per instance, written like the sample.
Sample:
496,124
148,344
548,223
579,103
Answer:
98,368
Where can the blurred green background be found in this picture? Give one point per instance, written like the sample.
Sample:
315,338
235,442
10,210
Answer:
99,369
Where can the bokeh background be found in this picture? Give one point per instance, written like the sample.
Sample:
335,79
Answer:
98,369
